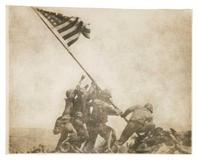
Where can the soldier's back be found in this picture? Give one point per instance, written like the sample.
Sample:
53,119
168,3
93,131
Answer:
141,114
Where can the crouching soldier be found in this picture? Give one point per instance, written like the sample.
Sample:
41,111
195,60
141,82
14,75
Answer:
141,120
64,128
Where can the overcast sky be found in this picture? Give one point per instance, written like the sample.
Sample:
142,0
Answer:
140,55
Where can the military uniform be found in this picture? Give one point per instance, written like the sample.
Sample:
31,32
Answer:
75,103
63,127
82,133
69,102
139,120
80,102
97,123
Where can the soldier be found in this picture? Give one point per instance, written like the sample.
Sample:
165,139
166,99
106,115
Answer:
82,133
93,91
73,99
80,102
79,99
97,123
141,119
63,127
104,95
69,102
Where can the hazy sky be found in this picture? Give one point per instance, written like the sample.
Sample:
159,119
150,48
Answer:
140,55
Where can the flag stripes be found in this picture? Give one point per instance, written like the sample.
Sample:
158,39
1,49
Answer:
77,28
70,28
69,24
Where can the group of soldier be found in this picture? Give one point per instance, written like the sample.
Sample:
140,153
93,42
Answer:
86,115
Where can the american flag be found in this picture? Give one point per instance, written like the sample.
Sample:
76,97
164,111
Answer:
70,28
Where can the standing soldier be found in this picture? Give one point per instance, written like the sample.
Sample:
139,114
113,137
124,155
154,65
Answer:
69,102
93,91
80,102
141,119
75,105
76,99
97,123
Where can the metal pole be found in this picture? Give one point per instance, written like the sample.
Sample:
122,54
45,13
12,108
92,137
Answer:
66,47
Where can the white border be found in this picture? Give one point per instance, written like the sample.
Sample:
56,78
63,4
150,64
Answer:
108,3
137,4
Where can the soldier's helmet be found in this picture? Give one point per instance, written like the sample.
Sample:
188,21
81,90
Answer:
70,93
149,106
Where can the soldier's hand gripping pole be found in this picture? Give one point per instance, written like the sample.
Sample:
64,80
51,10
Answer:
110,101
119,109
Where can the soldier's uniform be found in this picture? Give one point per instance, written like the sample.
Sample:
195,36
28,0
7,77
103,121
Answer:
80,102
75,102
74,106
97,123
82,133
69,102
140,119
63,127
93,91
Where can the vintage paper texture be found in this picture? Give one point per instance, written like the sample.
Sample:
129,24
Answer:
139,55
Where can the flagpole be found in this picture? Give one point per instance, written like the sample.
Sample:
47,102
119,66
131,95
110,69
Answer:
66,47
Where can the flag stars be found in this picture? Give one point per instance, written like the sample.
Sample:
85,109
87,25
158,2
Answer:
53,21
57,20
71,33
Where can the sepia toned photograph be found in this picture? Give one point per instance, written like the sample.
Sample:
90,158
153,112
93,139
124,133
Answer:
94,80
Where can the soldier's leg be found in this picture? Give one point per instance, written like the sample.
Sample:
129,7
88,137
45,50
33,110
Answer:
66,128
127,132
82,134
61,139
93,133
89,147
147,127
108,134
113,137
